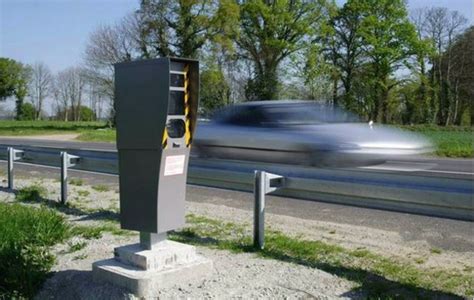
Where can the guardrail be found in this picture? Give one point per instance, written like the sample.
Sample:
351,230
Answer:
443,197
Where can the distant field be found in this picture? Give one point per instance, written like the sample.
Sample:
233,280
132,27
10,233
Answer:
449,141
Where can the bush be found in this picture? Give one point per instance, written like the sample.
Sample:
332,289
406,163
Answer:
26,237
85,114
28,112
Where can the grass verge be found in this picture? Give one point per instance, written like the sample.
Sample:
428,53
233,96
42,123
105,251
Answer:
100,135
451,141
18,128
377,276
27,234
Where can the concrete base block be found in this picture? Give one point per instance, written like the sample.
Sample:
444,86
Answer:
164,254
144,272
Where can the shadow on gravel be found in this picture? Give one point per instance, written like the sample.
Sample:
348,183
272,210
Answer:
371,285
74,284
96,215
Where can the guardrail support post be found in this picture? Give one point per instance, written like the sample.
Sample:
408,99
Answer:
264,183
67,161
12,154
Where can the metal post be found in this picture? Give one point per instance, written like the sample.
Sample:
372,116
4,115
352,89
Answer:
63,177
149,240
67,161
264,183
12,155
259,213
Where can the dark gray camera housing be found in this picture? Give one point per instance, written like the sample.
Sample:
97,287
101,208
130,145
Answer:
156,105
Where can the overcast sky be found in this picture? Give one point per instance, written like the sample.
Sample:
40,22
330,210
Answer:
56,31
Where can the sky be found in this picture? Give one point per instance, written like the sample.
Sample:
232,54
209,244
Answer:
56,31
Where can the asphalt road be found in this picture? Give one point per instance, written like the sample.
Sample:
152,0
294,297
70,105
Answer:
422,166
440,233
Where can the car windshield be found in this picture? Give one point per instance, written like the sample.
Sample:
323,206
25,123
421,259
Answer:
308,113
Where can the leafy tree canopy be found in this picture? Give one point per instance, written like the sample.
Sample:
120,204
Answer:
271,31
13,79
182,27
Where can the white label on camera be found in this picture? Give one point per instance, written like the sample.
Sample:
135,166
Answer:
174,165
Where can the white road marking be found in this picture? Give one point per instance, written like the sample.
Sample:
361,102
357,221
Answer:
448,172
403,167
412,167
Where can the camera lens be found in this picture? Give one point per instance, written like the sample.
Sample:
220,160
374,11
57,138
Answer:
175,128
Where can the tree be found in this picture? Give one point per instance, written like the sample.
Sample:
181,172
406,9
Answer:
215,91
423,104
97,100
107,46
158,28
87,114
441,28
69,89
181,28
14,77
28,112
388,41
343,48
270,31
310,77
457,65
40,86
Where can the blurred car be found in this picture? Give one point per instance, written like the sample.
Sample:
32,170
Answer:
300,132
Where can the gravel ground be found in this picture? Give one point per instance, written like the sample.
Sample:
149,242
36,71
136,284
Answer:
236,275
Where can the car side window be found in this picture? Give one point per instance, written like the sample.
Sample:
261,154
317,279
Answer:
247,117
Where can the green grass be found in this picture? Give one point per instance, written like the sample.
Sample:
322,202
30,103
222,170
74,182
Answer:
33,193
76,181
96,232
375,275
74,247
99,135
451,141
100,188
83,193
27,234
17,128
